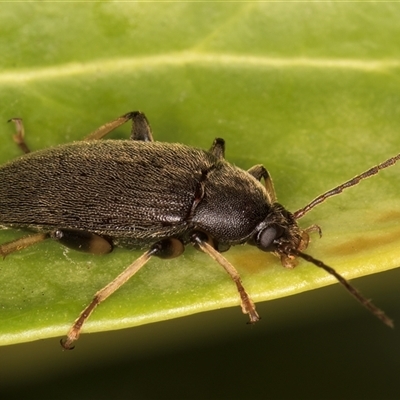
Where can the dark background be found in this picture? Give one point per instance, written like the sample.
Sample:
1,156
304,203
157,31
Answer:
317,345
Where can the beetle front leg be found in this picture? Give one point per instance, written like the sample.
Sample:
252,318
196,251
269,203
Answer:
140,127
200,240
259,171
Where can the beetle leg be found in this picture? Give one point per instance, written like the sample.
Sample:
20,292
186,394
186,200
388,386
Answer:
21,243
200,240
140,127
72,238
167,248
19,137
83,241
218,148
100,296
259,171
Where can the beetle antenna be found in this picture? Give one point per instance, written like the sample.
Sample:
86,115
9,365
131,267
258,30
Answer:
350,288
351,182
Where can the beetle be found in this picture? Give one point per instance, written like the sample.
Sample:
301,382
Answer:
94,195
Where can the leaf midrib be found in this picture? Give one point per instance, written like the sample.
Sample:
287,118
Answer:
186,58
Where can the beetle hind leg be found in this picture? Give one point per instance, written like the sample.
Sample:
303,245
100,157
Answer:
21,243
19,137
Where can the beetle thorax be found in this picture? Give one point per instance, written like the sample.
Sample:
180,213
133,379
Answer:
232,206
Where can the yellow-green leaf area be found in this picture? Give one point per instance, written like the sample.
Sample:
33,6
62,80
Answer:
310,92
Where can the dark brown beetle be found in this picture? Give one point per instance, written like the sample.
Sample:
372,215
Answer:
97,194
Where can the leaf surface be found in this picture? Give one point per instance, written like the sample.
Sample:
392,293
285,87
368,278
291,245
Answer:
309,91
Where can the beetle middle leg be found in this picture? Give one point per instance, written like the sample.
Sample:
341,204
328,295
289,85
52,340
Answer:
84,241
200,240
218,148
166,248
140,127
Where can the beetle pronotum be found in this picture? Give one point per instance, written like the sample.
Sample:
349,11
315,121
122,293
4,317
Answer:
96,194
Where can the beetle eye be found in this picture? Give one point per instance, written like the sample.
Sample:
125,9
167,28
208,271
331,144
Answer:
266,238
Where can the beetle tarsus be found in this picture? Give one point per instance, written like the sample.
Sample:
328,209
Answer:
19,137
66,343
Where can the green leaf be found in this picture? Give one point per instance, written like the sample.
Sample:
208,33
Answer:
310,92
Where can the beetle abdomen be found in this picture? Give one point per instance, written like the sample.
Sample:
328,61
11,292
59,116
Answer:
130,190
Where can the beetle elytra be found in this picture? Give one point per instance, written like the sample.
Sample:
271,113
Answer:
95,194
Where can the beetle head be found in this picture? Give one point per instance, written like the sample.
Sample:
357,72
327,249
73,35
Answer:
279,233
